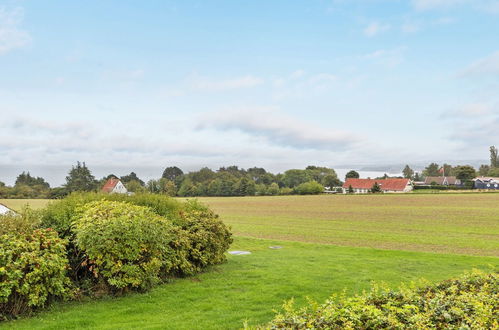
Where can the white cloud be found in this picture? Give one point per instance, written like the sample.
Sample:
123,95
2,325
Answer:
11,35
375,28
280,129
485,66
203,83
386,57
488,6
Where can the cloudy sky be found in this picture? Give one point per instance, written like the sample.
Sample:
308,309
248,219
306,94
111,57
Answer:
277,84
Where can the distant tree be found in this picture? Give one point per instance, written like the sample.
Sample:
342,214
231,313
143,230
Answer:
309,188
80,179
244,187
352,175
153,186
448,170
135,186
331,180
203,175
350,189
26,179
465,172
172,173
408,172
131,177
432,170
417,177
273,189
293,178
494,172
484,170
318,173
376,188
494,157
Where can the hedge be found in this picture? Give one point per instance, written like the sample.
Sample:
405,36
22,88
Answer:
33,267
468,302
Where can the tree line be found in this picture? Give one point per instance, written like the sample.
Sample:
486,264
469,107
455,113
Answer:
228,181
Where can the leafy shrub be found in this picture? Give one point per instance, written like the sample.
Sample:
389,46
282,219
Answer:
309,188
199,238
125,245
209,238
25,221
471,301
33,267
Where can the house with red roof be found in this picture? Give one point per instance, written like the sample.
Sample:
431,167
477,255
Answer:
390,185
114,186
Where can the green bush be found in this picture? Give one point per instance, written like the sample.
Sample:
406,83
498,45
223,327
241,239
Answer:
33,268
25,221
209,238
199,238
125,245
469,302
309,188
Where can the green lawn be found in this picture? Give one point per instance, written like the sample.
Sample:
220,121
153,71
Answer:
248,287
330,244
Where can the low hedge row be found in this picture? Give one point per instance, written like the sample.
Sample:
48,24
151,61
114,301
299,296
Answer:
91,243
468,302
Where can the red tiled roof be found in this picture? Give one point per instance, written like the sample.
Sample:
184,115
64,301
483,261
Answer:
385,184
110,184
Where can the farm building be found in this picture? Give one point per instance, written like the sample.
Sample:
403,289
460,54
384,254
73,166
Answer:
442,180
114,185
486,183
4,209
363,186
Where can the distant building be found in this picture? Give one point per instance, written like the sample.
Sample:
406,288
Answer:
363,186
4,210
485,182
442,180
114,186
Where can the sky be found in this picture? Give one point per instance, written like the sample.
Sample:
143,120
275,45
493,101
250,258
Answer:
277,84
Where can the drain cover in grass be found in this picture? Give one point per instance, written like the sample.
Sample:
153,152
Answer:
275,247
239,253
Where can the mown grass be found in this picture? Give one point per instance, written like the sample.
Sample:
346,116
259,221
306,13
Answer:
18,204
447,223
248,287
372,229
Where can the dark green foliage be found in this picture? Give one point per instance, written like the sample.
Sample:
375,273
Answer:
28,180
172,173
80,179
131,177
352,175
375,188
33,268
432,170
408,172
293,178
494,157
469,302
464,172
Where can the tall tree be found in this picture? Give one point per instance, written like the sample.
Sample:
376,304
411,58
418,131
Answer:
494,157
408,172
171,173
80,179
432,170
26,179
352,175
131,177
484,170
465,172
